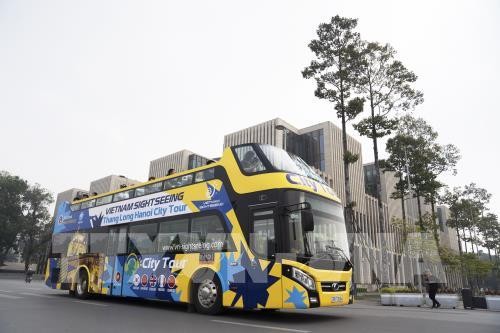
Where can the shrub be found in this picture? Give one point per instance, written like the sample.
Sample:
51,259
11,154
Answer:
398,290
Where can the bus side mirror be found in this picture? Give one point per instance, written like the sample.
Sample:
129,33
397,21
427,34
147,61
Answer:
307,220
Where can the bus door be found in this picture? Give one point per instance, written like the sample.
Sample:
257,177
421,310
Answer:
265,272
117,248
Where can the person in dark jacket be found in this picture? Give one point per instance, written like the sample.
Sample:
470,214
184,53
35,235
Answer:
432,288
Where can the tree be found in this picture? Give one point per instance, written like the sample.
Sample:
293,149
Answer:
476,269
416,145
456,220
387,85
12,189
489,228
335,71
479,198
35,232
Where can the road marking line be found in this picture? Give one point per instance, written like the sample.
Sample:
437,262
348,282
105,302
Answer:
38,295
10,296
5,291
260,326
90,303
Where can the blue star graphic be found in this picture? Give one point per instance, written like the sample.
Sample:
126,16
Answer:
297,298
251,284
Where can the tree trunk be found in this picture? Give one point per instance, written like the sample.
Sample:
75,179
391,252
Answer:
383,248
464,239
3,255
475,238
403,211
348,200
434,225
471,241
420,221
459,242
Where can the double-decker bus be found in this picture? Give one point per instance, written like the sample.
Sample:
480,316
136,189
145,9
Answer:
256,229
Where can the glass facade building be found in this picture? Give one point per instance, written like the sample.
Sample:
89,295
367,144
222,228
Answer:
309,146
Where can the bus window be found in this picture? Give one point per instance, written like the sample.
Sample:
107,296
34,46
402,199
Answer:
208,234
173,234
103,200
142,238
98,241
117,242
140,191
60,243
249,161
148,189
74,207
178,181
88,204
123,195
204,175
78,244
262,237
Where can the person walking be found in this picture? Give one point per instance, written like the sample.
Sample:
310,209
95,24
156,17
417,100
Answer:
432,288
29,275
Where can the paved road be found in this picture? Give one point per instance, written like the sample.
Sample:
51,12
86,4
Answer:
35,308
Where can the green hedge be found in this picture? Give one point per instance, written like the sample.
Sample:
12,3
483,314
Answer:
398,290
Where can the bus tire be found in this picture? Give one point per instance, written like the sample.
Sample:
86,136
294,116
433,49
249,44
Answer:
82,285
207,293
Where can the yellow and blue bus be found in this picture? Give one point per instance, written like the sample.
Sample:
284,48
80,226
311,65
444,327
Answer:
256,229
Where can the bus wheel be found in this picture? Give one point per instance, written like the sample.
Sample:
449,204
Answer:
208,294
82,286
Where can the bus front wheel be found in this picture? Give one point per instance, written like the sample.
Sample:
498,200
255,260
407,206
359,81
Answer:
208,294
82,286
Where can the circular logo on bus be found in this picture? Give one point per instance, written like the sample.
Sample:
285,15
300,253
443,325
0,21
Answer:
171,281
163,281
137,280
152,281
118,277
144,280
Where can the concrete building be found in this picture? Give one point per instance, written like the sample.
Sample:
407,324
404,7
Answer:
67,195
320,146
110,183
447,236
179,161
388,181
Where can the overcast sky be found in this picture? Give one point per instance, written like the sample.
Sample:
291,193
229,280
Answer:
92,88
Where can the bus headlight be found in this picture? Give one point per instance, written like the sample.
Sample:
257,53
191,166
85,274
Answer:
303,278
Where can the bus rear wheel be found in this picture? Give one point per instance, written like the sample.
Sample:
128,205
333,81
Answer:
208,295
82,286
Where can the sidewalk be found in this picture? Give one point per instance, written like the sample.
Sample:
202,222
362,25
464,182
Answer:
14,270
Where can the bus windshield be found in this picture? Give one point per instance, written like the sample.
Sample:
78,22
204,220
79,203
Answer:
326,245
285,161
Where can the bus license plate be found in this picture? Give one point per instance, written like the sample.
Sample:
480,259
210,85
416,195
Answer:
337,299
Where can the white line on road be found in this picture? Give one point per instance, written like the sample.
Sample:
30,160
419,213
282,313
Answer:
10,296
90,303
5,291
37,295
260,326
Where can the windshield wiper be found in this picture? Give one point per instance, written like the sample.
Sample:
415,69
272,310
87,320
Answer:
338,249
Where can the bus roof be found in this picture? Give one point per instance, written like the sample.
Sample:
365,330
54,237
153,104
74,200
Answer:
156,180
